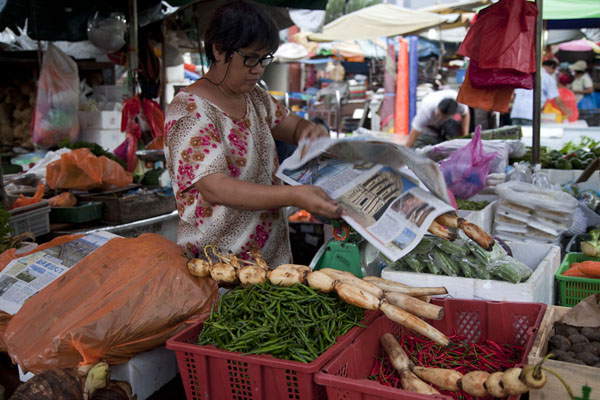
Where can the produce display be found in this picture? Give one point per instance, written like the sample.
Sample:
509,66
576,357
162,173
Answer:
463,258
570,156
592,247
577,345
471,205
428,360
462,371
295,323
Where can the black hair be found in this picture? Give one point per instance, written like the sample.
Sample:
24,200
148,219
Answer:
448,107
550,63
237,25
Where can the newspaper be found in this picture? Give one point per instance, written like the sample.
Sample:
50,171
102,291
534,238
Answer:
390,194
25,276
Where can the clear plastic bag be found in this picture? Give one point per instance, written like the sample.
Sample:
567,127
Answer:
509,269
57,100
466,170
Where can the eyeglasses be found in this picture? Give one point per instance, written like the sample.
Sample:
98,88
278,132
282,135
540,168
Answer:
252,61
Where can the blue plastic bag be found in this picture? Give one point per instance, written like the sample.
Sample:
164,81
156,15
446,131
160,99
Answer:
466,170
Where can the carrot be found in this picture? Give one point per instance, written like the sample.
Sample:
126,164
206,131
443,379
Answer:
575,272
591,268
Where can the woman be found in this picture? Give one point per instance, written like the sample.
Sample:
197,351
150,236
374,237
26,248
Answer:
220,145
582,84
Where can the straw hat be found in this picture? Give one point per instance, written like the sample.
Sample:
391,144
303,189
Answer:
580,65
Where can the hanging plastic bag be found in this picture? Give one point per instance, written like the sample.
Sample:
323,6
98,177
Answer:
489,99
483,78
466,170
57,100
503,36
81,170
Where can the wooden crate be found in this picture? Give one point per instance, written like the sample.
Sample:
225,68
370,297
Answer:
575,375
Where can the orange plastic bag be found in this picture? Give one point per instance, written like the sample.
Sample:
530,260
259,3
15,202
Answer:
65,199
125,298
497,99
10,255
81,170
23,201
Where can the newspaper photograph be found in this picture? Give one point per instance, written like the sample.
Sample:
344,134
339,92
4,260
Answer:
25,276
390,194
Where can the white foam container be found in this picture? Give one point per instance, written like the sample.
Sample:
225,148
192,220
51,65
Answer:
484,218
543,259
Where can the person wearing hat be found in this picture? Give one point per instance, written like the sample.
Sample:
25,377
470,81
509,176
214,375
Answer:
582,84
522,109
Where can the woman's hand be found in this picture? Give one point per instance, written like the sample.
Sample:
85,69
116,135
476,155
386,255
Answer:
307,129
314,200
293,129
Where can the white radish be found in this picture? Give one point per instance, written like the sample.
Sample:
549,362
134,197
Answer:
320,281
414,305
356,296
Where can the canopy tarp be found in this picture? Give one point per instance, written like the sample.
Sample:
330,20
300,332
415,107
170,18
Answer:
571,14
375,21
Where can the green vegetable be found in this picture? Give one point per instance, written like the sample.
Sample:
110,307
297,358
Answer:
412,261
484,256
592,247
294,323
5,230
431,267
445,263
471,205
457,247
424,246
509,269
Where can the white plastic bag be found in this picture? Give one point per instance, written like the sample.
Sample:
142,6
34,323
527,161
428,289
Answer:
57,100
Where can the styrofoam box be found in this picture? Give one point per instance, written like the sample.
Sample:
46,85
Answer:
563,176
109,93
146,373
543,259
100,119
483,218
108,139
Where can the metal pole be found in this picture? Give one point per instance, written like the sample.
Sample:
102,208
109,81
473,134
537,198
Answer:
537,89
133,47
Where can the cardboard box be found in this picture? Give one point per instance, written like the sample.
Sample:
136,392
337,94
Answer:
575,375
543,259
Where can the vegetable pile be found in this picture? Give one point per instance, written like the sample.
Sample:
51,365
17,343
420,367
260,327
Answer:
577,345
592,247
462,258
294,323
570,156
462,356
471,205
587,269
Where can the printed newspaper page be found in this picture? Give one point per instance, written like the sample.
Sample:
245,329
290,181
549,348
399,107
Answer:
27,275
384,204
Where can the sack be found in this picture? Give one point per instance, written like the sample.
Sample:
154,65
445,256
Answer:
503,36
496,99
57,100
127,297
466,170
81,170
483,78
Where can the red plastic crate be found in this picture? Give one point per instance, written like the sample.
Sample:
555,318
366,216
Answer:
211,373
503,322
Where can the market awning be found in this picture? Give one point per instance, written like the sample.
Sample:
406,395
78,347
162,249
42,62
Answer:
572,14
375,21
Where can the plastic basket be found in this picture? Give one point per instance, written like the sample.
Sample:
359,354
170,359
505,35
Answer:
504,322
210,373
573,289
80,213
35,220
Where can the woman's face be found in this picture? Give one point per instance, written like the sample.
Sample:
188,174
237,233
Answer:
241,77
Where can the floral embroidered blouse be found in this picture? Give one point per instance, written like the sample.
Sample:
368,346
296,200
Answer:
202,140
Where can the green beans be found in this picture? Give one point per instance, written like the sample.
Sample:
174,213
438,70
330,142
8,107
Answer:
294,323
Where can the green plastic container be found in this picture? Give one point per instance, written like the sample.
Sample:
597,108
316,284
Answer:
573,289
84,212
343,256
